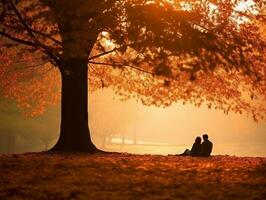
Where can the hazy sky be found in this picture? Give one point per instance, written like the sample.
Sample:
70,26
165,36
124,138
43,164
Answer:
179,125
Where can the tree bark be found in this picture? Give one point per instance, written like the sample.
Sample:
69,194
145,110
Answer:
74,133
79,32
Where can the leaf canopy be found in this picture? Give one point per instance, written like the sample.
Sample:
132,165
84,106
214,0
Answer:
161,51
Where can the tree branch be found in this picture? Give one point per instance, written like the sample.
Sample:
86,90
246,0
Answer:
28,29
32,44
101,54
46,50
37,32
97,73
121,65
18,40
25,68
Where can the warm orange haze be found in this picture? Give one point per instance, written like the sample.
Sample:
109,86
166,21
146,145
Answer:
171,130
156,130
162,54
132,99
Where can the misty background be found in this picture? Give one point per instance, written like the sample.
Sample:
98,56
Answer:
131,127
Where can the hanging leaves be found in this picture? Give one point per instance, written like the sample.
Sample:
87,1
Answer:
200,52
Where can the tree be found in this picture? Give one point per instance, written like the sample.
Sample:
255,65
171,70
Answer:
159,51
17,131
103,122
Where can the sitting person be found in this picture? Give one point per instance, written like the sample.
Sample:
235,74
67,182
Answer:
195,150
206,147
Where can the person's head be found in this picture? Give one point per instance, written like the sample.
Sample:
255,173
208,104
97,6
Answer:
198,140
205,137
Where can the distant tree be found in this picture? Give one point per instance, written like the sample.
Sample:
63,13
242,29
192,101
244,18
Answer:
159,51
103,122
18,133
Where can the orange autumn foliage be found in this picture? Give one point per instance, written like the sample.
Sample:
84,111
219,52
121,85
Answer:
200,52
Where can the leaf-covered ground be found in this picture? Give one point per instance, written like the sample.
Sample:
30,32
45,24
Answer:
124,176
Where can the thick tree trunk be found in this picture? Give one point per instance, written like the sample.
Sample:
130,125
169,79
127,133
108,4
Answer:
79,32
75,134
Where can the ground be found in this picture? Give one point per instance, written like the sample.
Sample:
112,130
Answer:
125,176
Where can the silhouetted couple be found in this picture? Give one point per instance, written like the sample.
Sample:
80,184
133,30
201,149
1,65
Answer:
203,149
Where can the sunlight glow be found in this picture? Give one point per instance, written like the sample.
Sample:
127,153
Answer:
170,130
185,6
246,5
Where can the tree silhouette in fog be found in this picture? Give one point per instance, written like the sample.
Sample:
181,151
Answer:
157,51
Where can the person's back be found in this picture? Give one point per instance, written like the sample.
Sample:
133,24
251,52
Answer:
206,147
